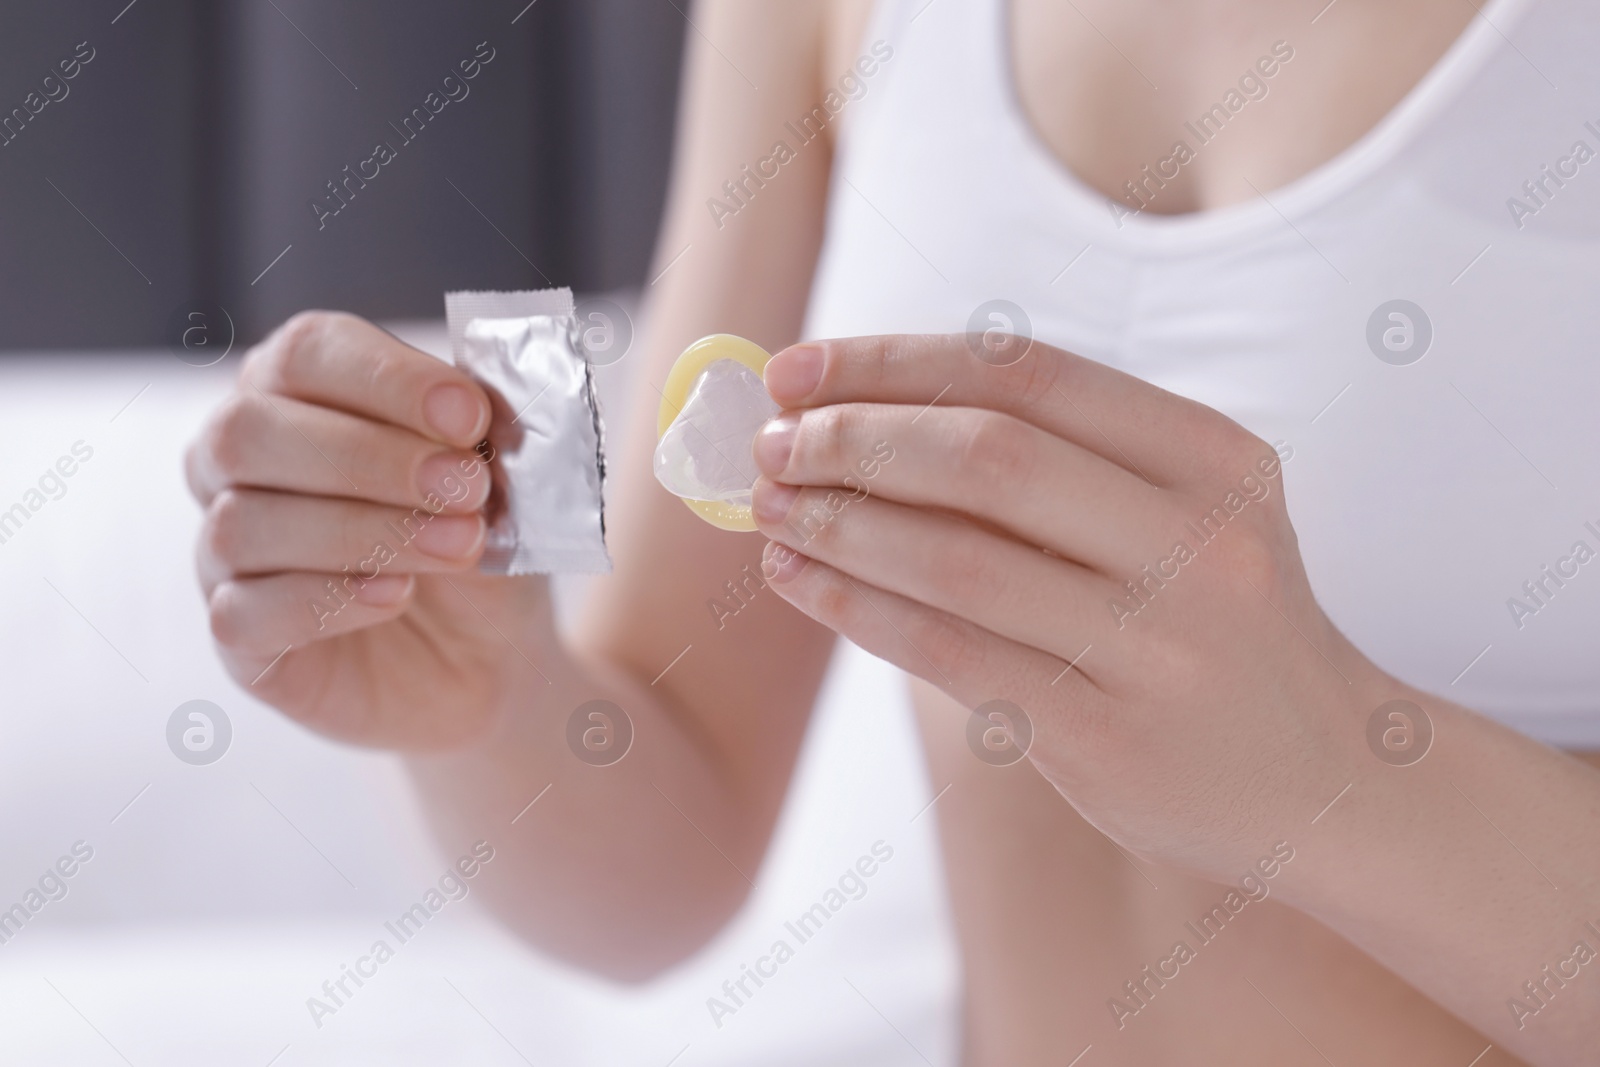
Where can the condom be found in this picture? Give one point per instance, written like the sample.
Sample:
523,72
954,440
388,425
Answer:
712,407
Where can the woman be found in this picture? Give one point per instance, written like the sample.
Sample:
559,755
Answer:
1277,214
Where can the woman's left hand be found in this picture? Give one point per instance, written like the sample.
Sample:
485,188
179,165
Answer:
1114,560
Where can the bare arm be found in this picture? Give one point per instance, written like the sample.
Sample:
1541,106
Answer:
632,866
1475,875
629,867
337,434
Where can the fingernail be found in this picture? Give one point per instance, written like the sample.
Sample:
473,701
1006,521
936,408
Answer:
794,374
453,411
775,442
779,563
442,477
450,536
772,501
386,590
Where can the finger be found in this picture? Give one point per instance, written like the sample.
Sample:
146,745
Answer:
256,618
996,467
347,363
255,532
945,562
259,441
1162,437
971,664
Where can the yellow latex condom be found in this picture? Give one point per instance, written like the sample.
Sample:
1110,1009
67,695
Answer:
717,410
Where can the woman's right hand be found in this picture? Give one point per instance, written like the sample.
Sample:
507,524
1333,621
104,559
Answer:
335,591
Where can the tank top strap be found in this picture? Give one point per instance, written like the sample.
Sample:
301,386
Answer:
957,45
964,35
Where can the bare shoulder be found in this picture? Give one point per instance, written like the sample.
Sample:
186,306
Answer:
829,32
846,27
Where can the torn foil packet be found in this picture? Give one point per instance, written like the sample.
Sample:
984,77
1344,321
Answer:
545,510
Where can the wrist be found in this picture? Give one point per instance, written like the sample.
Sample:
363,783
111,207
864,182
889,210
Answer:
1331,758
1428,792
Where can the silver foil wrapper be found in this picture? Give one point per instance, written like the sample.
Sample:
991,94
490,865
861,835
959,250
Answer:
545,509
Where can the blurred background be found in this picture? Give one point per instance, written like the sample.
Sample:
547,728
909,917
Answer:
174,174
184,157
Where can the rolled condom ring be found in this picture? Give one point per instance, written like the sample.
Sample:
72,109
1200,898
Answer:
712,406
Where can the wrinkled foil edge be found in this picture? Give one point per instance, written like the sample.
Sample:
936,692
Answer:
526,555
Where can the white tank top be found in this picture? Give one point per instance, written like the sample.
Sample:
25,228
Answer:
1448,507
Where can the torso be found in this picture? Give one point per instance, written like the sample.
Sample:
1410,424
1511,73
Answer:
1052,918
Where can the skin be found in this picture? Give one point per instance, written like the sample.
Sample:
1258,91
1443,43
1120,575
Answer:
1174,753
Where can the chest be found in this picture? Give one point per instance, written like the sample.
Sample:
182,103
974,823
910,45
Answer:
1423,488
1256,92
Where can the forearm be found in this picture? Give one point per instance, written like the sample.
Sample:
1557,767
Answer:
1471,874
629,867
621,868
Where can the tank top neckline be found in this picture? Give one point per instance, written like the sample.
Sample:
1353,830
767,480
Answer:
1189,231
1238,310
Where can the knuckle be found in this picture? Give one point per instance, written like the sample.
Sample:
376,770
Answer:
381,370
1173,655
954,648
901,358
1243,448
227,616
226,527
978,585
996,450
1034,377
836,604
384,466
233,436
815,516
253,369
295,351
1230,449
833,430
869,362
